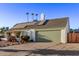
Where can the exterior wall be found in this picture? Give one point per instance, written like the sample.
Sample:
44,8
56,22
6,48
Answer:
49,36
64,33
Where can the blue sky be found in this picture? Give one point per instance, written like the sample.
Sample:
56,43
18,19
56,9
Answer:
11,13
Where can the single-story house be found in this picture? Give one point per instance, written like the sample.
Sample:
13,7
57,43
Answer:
48,30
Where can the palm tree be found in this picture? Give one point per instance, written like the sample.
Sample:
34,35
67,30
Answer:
32,16
36,16
27,16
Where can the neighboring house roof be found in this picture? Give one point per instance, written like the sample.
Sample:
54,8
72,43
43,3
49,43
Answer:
49,23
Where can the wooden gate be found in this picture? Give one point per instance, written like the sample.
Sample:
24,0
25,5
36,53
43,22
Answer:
73,37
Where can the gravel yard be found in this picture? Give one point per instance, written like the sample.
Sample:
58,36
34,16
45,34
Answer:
41,49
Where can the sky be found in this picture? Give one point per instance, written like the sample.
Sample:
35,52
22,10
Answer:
12,13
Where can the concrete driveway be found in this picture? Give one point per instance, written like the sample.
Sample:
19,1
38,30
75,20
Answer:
41,49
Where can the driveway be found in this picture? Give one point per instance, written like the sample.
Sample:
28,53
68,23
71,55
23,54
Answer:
41,49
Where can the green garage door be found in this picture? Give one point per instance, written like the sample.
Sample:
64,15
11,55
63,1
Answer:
48,36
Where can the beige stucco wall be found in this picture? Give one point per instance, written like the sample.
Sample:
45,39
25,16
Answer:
64,33
49,36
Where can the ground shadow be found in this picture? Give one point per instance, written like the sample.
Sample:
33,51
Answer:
12,50
46,52
51,52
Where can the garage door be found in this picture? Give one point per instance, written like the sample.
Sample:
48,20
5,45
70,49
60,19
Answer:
48,36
